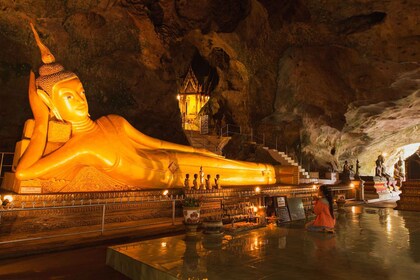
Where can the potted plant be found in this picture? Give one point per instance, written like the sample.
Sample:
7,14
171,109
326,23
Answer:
341,200
213,225
191,210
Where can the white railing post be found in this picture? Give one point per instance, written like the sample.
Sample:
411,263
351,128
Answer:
103,220
173,212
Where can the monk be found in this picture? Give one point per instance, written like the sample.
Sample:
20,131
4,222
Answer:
110,144
324,221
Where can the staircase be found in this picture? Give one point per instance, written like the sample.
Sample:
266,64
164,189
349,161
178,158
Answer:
216,143
284,159
212,143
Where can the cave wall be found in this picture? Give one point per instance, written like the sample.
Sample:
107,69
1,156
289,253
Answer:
313,76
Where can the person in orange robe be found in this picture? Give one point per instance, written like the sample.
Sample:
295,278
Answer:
324,221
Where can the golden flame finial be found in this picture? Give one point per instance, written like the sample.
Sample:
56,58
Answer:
46,55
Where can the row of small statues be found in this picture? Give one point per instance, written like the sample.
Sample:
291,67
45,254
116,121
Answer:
200,184
348,172
380,169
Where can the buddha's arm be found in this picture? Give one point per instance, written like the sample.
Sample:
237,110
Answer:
64,159
147,142
39,137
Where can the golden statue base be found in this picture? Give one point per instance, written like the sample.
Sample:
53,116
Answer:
22,187
87,180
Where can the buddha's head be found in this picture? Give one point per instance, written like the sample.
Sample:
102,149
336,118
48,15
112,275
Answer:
60,90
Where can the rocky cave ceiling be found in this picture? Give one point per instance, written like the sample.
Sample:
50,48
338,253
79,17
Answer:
318,75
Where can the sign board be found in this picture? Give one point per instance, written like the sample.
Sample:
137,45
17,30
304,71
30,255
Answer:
282,214
204,124
297,212
281,201
277,206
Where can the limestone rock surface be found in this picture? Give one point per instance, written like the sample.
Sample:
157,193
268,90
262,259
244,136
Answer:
326,81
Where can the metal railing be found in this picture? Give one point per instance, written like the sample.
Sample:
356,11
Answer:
113,211
201,141
230,130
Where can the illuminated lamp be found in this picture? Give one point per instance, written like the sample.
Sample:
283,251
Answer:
178,97
165,192
352,185
7,199
257,189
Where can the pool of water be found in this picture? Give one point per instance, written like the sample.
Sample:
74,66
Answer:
369,243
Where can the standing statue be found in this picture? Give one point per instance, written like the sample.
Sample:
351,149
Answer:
357,168
201,177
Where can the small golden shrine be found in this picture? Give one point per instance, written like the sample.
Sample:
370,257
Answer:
192,96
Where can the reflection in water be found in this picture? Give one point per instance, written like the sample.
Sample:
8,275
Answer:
191,268
412,222
369,243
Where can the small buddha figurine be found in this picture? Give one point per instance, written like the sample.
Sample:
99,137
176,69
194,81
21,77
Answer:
346,171
208,182
217,182
195,182
110,145
202,183
187,182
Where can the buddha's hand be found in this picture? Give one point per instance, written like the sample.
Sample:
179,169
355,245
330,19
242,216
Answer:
39,109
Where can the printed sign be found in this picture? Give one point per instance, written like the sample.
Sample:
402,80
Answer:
281,201
282,214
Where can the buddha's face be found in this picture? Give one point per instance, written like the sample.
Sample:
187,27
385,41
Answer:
70,100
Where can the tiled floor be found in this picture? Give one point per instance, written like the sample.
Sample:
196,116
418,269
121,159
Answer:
369,243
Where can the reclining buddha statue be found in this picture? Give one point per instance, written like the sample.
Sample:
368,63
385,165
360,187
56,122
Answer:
108,154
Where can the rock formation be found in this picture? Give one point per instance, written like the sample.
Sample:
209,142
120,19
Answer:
331,80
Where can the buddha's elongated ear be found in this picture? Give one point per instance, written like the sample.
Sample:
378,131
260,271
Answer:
45,98
48,101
